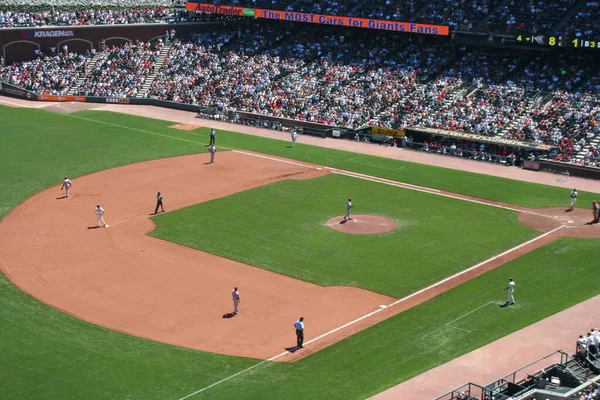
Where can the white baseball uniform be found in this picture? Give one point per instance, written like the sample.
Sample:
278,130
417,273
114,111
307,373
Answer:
67,185
294,137
235,296
511,289
573,198
100,216
212,149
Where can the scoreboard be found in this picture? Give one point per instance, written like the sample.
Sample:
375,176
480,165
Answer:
557,41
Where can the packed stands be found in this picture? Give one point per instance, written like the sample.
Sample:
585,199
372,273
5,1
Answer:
584,22
9,19
342,77
122,70
528,16
51,74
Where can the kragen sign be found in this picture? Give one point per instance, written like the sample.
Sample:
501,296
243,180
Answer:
56,33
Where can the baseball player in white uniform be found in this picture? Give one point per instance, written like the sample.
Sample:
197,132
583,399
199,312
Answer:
511,288
294,137
212,149
235,296
573,196
348,216
100,216
67,186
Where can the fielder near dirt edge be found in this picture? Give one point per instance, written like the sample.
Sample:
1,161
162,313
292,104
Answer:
382,307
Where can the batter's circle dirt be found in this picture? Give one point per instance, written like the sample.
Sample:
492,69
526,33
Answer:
362,224
574,222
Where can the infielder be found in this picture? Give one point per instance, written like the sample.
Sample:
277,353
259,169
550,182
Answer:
100,216
294,137
212,149
67,186
595,211
511,288
573,196
235,296
348,216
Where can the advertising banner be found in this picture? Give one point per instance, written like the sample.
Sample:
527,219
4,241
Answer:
117,100
55,33
532,165
293,16
15,91
376,130
45,97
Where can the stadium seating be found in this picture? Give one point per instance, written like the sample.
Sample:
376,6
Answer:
318,74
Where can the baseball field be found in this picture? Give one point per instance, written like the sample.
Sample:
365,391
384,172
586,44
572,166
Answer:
256,219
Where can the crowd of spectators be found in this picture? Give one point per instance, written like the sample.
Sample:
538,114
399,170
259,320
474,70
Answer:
346,79
122,70
301,74
585,22
89,16
95,4
533,16
52,74
496,16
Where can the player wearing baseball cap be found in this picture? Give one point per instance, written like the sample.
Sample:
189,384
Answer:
348,216
235,296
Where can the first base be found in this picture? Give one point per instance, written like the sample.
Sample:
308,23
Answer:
107,226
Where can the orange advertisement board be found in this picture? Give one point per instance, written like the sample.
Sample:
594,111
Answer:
293,16
44,97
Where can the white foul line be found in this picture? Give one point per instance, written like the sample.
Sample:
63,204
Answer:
393,183
449,324
380,309
476,266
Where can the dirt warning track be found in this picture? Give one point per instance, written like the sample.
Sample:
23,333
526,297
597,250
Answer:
122,279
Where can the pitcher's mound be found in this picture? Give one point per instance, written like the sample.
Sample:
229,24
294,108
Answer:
362,224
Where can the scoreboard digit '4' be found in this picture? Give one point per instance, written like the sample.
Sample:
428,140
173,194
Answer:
558,41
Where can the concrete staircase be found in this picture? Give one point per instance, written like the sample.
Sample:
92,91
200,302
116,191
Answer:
150,78
88,68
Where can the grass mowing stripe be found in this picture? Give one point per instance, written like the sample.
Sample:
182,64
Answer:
389,305
532,195
392,183
86,361
134,129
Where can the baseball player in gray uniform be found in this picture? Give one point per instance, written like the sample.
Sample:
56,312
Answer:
235,296
573,196
348,216
294,137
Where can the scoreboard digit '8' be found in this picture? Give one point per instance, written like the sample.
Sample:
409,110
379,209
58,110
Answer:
558,41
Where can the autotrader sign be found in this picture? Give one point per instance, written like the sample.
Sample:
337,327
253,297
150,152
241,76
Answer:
56,33
368,23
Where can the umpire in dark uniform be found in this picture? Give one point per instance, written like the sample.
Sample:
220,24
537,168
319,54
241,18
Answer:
299,325
159,203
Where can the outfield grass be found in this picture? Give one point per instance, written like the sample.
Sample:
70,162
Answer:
47,354
548,280
281,227
483,186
